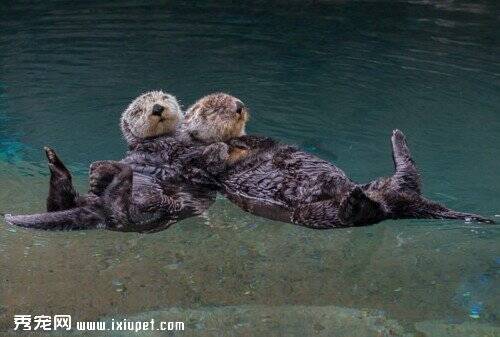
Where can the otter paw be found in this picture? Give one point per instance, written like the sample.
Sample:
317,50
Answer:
101,174
147,146
236,142
216,152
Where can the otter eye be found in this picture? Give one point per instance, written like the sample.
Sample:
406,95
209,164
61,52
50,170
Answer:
239,107
207,112
136,111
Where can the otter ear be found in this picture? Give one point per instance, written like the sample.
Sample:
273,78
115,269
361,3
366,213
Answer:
191,110
174,103
132,110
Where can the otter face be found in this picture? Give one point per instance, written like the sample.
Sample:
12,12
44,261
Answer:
216,118
152,114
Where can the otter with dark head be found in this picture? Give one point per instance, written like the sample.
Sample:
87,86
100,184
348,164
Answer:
144,192
281,182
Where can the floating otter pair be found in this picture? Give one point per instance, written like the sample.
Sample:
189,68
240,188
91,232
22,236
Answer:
158,183
260,175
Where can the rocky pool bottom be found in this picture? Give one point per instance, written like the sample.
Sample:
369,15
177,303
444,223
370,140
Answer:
288,320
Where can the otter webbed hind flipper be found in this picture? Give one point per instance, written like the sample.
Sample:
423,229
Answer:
66,209
406,174
62,195
427,209
404,196
73,219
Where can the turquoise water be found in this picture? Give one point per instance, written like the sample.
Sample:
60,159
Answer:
332,77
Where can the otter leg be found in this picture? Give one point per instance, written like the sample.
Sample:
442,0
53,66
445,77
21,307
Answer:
317,215
357,209
62,194
112,182
117,197
406,200
406,176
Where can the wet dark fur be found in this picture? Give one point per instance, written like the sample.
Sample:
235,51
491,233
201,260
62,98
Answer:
147,190
158,183
281,182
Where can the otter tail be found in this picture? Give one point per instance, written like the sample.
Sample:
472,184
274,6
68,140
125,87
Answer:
407,180
73,219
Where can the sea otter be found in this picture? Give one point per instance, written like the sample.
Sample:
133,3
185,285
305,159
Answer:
146,191
150,115
281,182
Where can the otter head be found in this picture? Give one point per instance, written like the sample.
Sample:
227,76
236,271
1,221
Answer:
152,114
216,118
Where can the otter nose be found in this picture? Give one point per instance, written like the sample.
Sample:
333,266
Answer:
239,106
157,110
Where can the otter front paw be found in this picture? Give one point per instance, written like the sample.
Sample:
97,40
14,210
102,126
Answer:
146,146
216,153
236,142
215,158
101,174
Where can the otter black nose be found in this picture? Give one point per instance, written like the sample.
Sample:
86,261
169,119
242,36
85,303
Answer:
157,110
239,106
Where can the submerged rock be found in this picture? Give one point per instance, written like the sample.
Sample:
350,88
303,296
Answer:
466,329
290,321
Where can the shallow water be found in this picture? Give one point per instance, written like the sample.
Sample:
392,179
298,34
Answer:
332,77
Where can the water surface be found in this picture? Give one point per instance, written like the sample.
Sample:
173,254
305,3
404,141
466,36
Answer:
332,77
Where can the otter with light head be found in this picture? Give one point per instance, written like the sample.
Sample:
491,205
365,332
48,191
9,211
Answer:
216,118
147,191
281,182
150,115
